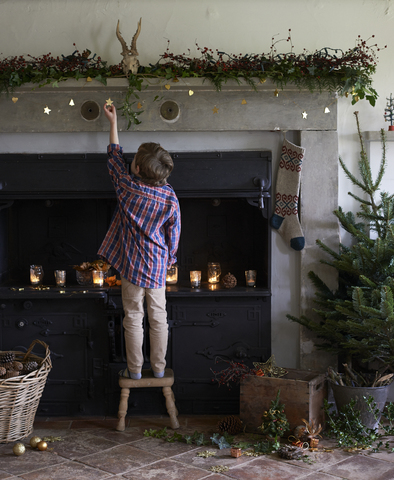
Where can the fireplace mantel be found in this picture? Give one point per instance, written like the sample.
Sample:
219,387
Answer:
238,107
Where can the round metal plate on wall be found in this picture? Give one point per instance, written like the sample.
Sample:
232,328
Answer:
90,110
170,111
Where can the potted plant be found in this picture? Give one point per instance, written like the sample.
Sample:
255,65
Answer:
356,321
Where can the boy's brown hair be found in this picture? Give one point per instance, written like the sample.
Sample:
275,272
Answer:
155,164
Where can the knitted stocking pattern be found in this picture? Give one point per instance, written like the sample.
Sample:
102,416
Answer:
285,217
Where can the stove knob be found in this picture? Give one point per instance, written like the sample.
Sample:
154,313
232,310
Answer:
27,305
21,323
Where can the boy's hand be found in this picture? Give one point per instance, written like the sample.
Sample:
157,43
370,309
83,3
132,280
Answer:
110,112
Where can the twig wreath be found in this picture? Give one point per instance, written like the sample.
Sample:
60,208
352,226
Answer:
345,72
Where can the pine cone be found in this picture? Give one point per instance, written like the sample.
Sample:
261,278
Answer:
30,367
17,366
229,281
3,371
11,374
230,424
7,359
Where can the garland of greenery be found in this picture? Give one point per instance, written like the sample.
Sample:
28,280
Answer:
327,69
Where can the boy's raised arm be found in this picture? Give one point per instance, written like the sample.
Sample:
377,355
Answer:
110,113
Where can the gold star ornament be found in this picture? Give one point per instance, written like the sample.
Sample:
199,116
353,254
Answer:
109,103
47,110
304,114
215,109
270,368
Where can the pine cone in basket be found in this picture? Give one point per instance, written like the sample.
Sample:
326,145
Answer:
230,424
7,359
30,366
229,281
11,374
18,366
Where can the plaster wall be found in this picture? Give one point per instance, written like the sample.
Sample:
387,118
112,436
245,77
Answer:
236,27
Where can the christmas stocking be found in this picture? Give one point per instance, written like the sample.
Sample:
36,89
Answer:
285,218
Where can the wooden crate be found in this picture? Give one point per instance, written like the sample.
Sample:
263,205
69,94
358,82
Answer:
302,393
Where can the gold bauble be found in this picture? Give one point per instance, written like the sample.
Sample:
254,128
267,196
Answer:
18,449
34,441
42,445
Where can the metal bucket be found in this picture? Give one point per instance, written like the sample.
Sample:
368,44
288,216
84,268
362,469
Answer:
344,394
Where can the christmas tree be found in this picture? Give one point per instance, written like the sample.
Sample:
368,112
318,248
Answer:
356,321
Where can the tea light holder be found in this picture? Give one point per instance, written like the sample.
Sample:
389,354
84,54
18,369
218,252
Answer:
98,278
250,277
60,278
195,278
172,275
214,272
36,274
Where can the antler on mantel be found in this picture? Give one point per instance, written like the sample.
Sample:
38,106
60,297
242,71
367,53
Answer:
130,61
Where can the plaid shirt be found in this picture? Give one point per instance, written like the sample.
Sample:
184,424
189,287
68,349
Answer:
143,237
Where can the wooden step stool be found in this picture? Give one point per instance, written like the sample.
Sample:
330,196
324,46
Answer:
148,380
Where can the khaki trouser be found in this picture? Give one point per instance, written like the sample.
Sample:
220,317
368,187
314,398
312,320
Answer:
133,306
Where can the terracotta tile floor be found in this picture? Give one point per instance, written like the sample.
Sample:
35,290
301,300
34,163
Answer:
91,448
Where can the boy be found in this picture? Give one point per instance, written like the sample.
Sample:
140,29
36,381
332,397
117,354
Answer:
141,244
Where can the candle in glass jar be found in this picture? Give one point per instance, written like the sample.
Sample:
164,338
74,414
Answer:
98,278
36,274
60,278
172,275
214,272
250,277
195,278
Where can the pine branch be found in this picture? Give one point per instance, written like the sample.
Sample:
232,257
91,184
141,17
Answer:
382,167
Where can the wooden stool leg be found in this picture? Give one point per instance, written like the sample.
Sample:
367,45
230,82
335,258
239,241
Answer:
171,409
124,399
173,399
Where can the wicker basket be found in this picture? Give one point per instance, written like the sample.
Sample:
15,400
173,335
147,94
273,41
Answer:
20,396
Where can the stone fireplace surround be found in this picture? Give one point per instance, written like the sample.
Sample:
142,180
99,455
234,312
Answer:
263,112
